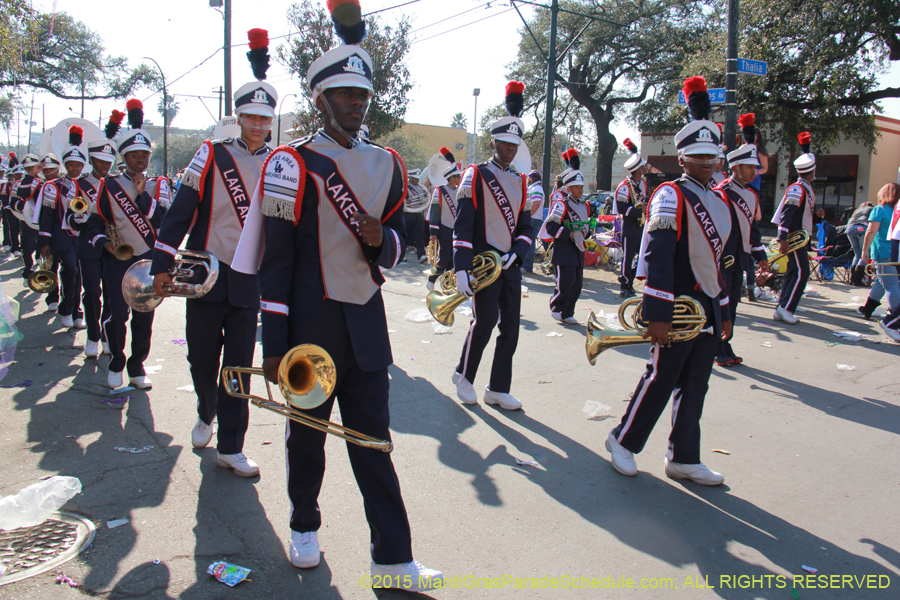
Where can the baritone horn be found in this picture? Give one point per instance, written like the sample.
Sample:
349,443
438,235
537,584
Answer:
122,251
687,323
443,300
78,205
43,279
306,378
190,265
795,241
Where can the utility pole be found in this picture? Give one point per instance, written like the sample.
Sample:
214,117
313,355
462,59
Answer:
82,98
227,58
731,66
219,92
30,122
475,93
551,84
165,119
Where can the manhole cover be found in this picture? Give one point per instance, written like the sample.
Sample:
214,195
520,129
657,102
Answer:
28,551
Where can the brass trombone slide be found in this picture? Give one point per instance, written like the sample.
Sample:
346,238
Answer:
872,269
306,378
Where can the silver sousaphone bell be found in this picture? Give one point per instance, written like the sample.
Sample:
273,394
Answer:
137,285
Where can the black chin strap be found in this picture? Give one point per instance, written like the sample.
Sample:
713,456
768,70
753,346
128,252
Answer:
353,140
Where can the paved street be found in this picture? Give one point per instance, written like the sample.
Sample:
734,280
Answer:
811,474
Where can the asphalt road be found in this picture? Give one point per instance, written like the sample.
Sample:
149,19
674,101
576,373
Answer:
811,477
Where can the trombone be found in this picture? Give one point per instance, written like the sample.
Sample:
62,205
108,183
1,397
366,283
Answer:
795,241
78,205
872,269
444,299
687,323
44,279
306,378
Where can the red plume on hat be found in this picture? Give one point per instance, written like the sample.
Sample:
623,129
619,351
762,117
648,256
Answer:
515,102
135,110
13,160
258,55
748,127
347,18
574,160
448,156
805,140
565,157
630,146
697,98
114,124
76,135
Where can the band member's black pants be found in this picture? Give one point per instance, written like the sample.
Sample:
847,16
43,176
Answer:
794,280
119,311
216,329
29,244
445,252
684,369
69,280
630,248
10,230
363,401
93,290
734,283
569,280
502,299
415,231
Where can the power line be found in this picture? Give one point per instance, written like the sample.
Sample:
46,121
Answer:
446,20
375,12
462,26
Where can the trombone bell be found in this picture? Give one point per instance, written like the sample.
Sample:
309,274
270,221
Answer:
306,378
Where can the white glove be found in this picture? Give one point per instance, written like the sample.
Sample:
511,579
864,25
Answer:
463,285
82,218
508,259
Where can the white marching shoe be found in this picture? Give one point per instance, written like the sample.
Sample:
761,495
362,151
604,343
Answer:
80,324
92,349
698,473
556,316
240,464
782,314
115,380
622,458
412,576
201,434
52,307
570,320
141,382
104,348
305,549
464,389
66,320
503,400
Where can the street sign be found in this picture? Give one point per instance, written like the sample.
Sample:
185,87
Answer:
752,67
716,96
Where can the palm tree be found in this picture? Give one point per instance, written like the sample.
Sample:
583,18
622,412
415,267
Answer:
459,121
171,109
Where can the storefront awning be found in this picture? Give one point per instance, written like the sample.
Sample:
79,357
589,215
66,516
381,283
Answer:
665,165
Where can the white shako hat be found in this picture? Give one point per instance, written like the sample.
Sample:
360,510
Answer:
414,173
747,154
49,161
105,148
573,177
136,138
634,161
452,168
807,161
510,129
73,152
29,160
364,131
257,97
347,65
700,136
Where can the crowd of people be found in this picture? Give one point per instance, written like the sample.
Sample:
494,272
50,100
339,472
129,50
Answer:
298,237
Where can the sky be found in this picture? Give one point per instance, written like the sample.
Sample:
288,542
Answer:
458,46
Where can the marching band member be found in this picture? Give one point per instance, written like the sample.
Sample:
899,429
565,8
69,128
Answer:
745,242
10,222
568,245
22,205
131,205
332,218
535,202
719,175
49,171
794,214
493,216
442,216
681,255
630,197
58,228
95,294
211,207
414,212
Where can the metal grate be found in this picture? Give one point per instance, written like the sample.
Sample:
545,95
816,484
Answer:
28,551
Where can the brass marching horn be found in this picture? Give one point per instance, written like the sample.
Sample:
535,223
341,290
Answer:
547,264
44,279
137,284
872,269
443,300
122,250
306,378
78,205
432,252
729,260
795,241
687,323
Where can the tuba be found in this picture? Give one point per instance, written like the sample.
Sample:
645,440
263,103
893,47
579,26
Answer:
78,205
687,323
44,279
443,301
306,378
418,203
122,250
137,284
796,240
